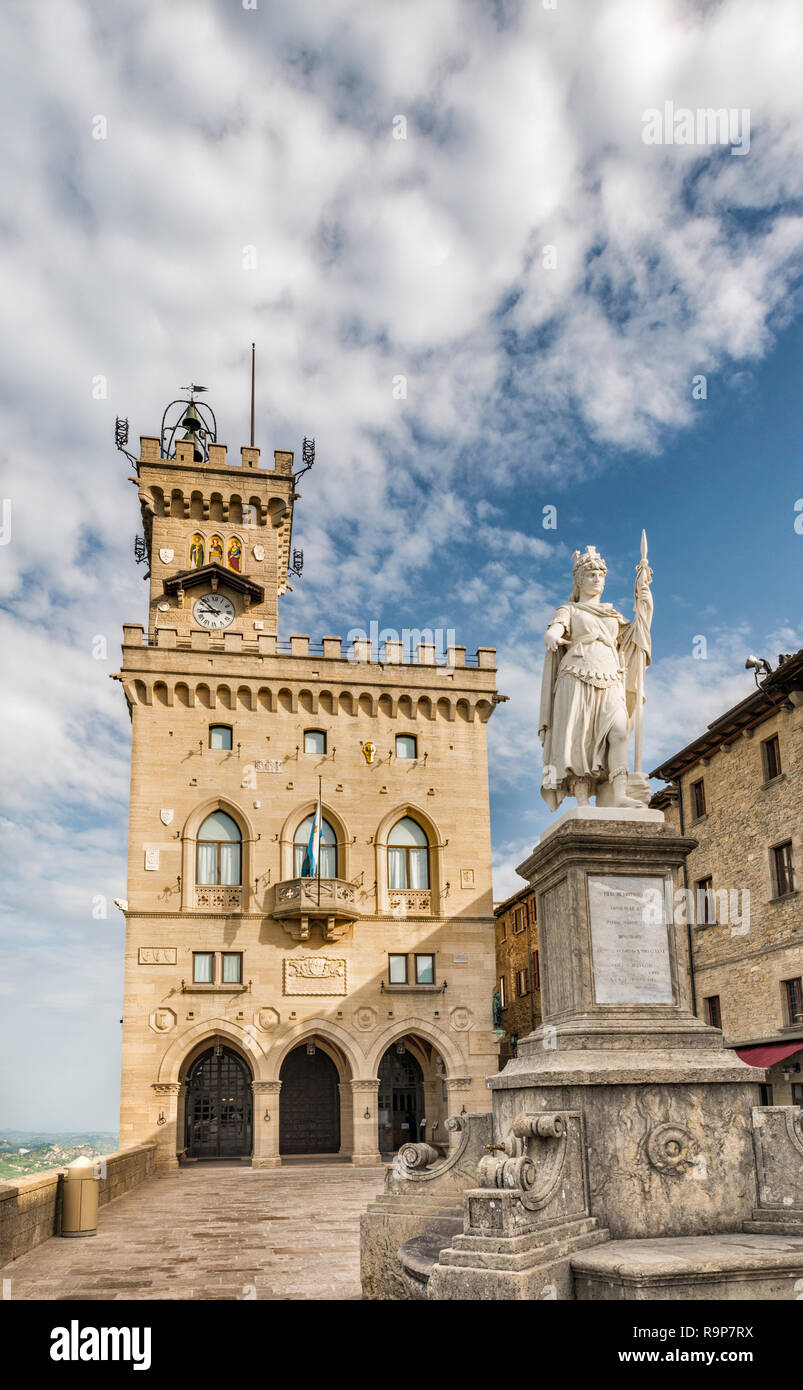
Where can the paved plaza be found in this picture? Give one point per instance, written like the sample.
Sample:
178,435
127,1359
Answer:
214,1231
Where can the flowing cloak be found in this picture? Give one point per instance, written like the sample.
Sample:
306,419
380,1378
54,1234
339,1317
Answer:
634,652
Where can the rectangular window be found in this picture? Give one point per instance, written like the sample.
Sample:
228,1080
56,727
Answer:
522,983
501,923
784,869
503,991
519,919
220,736
406,746
698,799
797,1094
793,1001
397,970
203,965
425,970
314,741
713,1012
706,902
772,758
536,971
232,968
532,911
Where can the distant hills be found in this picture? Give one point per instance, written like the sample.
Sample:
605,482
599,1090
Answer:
27,1151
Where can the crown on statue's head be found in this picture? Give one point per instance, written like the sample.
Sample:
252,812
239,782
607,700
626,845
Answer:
589,558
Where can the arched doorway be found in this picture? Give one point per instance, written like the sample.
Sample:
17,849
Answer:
309,1110
401,1098
218,1112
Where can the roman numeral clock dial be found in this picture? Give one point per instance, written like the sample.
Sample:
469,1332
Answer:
213,610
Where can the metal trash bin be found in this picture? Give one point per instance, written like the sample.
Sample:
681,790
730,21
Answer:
79,1213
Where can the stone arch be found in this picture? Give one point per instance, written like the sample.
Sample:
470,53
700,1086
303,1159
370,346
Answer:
405,707
245,697
182,695
286,700
334,1040
346,702
265,699
453,1059
327,702
463,709
236,509
161,693
436,877
308,701
484,709
446,708
189,840
424,708
197,506
216,507
366,704
204,696
224,696
177,503
387,705
188,1044
287,835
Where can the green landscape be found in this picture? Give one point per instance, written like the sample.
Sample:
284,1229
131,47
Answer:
24,1152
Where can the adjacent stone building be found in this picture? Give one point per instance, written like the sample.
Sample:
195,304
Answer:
269,1012
738,789
518,974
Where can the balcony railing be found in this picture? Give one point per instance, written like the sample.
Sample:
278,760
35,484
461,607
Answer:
415,902
219,898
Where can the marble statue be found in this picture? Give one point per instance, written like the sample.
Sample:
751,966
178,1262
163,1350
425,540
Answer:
592,690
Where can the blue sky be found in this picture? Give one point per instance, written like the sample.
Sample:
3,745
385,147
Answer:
253,189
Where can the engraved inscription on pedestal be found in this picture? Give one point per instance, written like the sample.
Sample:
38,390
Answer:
629,939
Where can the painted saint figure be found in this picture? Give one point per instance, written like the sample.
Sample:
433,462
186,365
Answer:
592,686
215,550
196,552
235,553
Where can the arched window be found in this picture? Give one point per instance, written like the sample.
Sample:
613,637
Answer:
408,855
196,552
314,741
234,554
220,736
301,863
219,851
215,550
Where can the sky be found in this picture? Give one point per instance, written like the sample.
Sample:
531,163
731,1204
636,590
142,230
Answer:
478,287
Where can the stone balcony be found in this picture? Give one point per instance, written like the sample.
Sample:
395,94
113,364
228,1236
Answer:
299,902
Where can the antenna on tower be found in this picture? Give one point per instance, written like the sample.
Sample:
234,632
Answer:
253,356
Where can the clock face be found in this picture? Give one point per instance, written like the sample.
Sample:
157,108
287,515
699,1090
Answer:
213,610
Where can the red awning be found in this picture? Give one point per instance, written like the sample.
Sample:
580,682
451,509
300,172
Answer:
767,1054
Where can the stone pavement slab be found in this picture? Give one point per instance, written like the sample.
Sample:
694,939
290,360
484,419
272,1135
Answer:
214,1231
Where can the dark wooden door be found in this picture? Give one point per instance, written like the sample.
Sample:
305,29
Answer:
309,1104
219,1106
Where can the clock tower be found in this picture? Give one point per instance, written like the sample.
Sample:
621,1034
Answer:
286,991
217,531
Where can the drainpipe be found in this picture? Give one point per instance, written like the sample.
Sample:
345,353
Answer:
689,937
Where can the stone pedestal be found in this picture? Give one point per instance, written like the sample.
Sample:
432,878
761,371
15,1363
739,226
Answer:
664,1108
667,1109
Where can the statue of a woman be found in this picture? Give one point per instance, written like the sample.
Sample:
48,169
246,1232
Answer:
592,684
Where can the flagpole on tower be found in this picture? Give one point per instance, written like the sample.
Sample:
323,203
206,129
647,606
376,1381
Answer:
320,827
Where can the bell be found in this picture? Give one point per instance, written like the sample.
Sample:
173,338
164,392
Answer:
197,451
192,420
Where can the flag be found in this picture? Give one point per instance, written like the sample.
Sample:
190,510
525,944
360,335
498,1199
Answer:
314,845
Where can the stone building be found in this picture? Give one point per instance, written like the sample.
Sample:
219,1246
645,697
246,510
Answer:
738,790
267,1011
518,974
